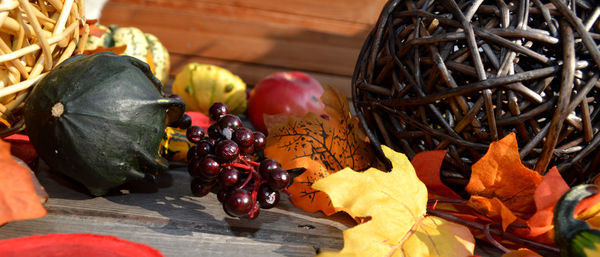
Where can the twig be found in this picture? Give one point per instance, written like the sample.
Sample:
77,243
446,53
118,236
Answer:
489,237
505,235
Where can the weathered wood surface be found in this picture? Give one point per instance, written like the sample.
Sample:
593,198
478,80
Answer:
179,224
254,38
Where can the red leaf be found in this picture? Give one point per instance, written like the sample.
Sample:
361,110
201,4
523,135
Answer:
60,245
22,148
547,194
427,165
199,119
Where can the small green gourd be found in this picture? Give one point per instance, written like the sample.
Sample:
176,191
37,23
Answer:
99,119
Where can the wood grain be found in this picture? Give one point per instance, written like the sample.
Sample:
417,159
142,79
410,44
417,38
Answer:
170,219
256,38
169,241
311,11
219,37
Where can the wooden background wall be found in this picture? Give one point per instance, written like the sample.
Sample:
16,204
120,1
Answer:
254,38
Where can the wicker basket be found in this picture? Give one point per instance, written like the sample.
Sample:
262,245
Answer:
35,37
458,75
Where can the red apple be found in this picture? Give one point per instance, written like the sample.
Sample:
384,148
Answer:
288,93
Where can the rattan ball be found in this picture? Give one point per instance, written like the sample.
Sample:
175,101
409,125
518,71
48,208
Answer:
458,75
35,36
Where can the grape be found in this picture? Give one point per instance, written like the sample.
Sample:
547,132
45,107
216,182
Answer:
230,121
222,194
266,166
193,167
267,197
229,176
278,179
208,167
200,188
211,141
260,141
194,134
192,153
227,150
227,133
217,110
214,132
184,122
238,203
224,158
243,137
204,147
247,150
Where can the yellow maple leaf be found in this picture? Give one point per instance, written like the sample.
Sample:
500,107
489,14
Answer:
396,203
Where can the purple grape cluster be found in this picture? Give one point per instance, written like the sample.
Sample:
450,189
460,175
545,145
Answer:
222,160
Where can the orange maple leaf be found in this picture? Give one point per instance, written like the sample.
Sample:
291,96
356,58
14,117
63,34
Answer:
18,198
500,174
321,145
96,31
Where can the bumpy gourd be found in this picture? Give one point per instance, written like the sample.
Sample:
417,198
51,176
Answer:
99,119
201,85
143,46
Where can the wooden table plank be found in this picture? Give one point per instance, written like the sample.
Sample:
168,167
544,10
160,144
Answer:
170,241
170,219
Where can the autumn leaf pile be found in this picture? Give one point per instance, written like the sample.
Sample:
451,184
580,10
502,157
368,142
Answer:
408,211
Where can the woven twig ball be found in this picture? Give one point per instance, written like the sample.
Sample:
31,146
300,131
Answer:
35,36
458,75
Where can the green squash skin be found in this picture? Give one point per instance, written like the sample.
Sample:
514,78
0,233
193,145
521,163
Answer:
112,124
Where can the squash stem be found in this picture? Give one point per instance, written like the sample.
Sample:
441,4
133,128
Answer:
58,109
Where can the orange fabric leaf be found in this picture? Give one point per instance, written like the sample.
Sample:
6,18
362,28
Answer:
321,145
18,198
500,173
302,194
494,209
546,195
427,165
96,31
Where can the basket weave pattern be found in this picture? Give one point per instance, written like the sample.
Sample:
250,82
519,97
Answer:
35,36
458,75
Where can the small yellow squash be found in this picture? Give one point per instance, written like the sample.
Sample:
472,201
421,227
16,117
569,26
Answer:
201,85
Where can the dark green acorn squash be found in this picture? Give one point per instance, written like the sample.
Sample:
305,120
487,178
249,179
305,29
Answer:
99,119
